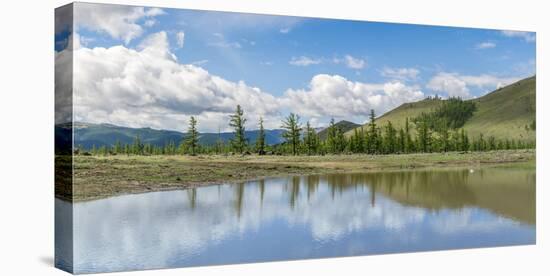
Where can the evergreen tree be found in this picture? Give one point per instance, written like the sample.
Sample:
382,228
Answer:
480,143
357,141
292,134
444,137
491,143
137,147
390,139
219,142
464,141
103,150
409,145
379,141
237,122
423,136
332,142
260,141
340,140
455,141
311,140
192,137
118,147
401,141
372,134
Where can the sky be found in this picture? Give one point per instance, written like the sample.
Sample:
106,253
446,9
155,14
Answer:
152,67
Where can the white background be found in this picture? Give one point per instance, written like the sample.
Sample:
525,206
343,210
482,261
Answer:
26,135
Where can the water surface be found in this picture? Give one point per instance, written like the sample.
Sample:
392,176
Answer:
305,217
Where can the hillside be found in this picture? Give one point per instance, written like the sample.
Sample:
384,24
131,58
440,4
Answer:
343,125
503,113
87,135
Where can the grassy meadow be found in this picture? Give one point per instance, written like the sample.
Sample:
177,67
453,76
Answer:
103,176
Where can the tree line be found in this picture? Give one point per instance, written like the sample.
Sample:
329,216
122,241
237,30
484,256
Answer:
438,131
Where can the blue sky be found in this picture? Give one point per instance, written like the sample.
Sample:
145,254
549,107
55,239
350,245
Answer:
299,63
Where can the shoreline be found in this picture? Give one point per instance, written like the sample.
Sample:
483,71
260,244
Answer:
97,177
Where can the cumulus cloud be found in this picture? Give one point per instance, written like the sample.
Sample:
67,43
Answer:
304,61
118,21
333,95
404,74
486,45
456,85
354,63
147,87
449,83
180,36
527,36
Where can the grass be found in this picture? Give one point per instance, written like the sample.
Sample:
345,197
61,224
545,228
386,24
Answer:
103,176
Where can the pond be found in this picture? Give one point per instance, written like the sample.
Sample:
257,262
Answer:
302,217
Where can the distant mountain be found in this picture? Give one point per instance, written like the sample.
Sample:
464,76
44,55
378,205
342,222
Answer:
87,135
343,125
504,113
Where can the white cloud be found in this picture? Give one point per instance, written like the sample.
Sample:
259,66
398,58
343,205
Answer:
150,23
304,61
456,85
149,88
354,63
284,30
333,95
351,62
485,45
527,36
223,43
449,83
118,21
180,37
200,62
404,74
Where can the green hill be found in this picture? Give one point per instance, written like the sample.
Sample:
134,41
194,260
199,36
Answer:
504,113
343,125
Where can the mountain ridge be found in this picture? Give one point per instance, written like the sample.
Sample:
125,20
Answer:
505,113
87,135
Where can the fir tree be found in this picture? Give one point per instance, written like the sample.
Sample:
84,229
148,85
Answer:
340,140
390,138
260,142
401,141
409,145
424,136
192,137
372,134
237,122
311,141
332,136
137,147
292,134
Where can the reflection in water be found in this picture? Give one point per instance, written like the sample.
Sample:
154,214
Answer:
306,217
